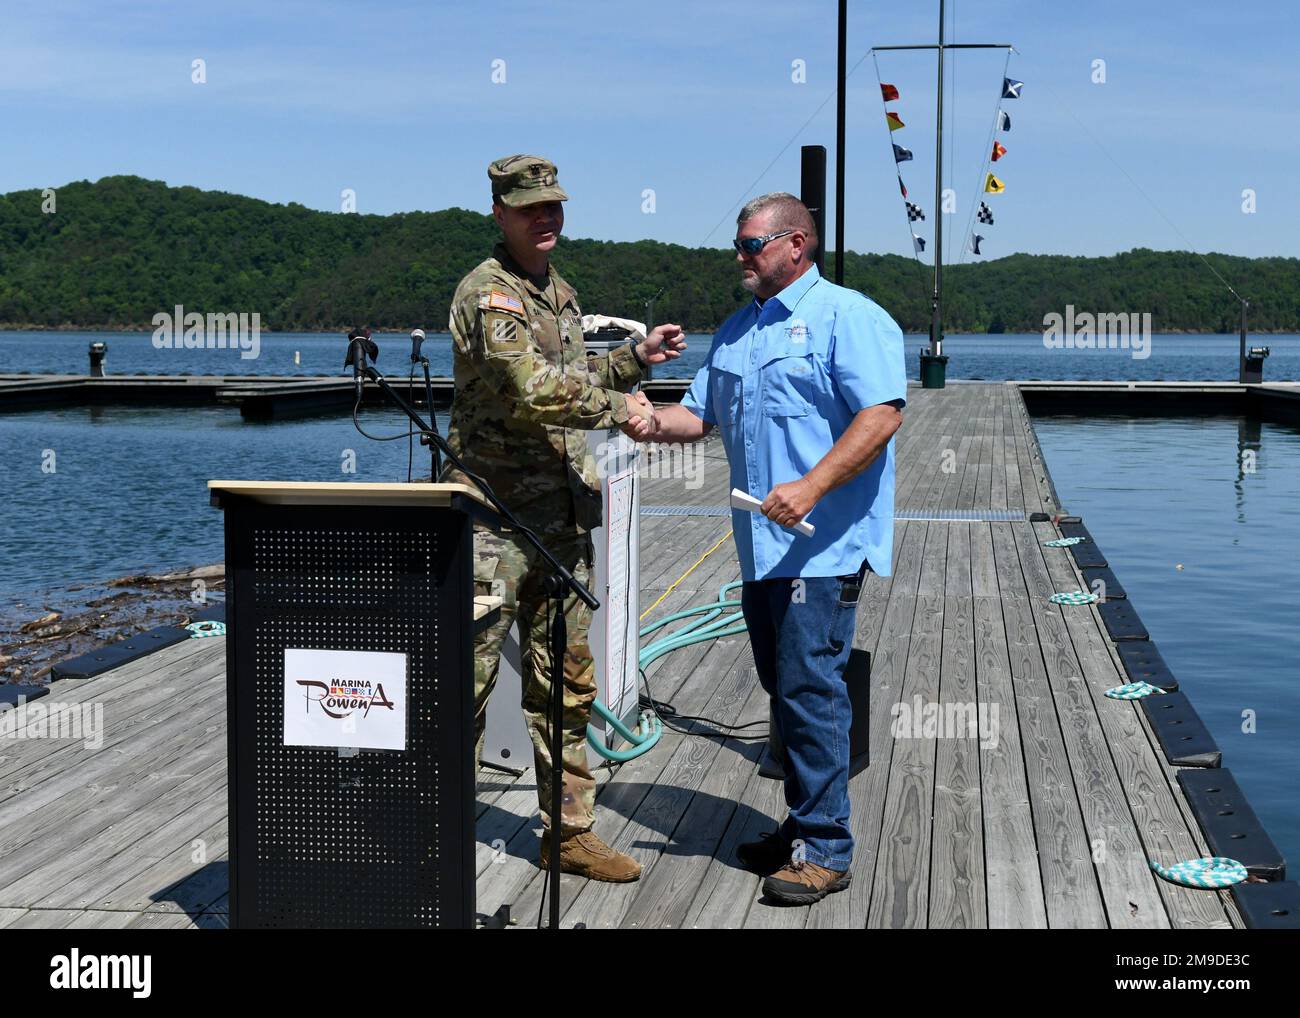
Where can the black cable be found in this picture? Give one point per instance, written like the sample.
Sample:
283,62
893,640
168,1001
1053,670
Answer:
550,740
667,714
377,438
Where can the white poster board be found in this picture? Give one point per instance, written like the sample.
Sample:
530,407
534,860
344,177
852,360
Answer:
345,698
620,692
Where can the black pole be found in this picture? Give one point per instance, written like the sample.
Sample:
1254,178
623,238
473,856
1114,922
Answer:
436,457
1241,358
812,192
841,101
559,647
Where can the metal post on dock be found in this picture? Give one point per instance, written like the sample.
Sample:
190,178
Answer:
98,351
841,104
933,362
936,308
1241,358
1250,360
812,192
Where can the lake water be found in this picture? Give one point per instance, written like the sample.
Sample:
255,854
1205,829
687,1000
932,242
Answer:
977,357
127,492
1163,493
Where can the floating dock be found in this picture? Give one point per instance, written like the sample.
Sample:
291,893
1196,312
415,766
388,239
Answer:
1052,824
257,397
278,397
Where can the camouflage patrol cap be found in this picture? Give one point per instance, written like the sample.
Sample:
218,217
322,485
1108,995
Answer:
524,180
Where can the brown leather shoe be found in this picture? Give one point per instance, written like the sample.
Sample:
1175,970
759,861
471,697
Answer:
802,883
587,856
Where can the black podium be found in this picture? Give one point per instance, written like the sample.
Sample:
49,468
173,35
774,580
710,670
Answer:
350,624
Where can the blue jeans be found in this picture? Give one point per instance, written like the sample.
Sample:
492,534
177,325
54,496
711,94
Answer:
801,632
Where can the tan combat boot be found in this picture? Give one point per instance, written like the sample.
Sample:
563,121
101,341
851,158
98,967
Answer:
587,856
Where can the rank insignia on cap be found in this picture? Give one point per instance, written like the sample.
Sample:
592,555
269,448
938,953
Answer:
505,302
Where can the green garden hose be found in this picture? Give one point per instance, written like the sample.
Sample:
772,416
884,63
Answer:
715,623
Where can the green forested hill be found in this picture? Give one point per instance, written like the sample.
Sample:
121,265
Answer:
119,250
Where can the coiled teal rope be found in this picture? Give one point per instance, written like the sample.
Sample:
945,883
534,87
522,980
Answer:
1133,691
1209,873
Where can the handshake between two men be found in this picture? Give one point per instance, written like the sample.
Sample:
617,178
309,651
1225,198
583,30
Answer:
664,343
787,503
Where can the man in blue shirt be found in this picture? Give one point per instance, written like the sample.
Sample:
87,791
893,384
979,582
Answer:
806,386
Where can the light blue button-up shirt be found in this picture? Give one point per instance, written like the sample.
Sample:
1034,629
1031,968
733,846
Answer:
782,382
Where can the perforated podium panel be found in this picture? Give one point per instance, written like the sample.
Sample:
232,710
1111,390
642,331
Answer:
323,837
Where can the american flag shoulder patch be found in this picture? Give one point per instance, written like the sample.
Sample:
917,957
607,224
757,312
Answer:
498,300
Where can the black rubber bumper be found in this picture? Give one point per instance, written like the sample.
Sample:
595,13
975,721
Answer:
1143,663
1183,736
114,655
1122,621
11,695
1086,555
1230,825
1269,906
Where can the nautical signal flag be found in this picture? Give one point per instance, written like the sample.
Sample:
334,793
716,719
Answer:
998,151
1011,88
918,242
994,186
902,155
902,187
985,214
1004,120
892,119
888,92
975,243
914,212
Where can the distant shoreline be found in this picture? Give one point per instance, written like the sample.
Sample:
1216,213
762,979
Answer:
344,329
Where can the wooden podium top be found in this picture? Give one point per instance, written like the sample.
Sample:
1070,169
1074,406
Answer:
342,493
485,603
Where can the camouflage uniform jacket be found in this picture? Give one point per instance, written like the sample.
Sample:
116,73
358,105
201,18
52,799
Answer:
526,391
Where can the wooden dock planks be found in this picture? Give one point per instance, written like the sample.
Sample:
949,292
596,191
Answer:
1045,821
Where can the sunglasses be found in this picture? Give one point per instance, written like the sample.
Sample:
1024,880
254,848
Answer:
753,245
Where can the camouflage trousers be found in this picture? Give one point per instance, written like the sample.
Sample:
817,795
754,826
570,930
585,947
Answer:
506,566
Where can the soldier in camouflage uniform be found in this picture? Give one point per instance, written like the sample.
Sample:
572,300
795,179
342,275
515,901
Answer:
526,391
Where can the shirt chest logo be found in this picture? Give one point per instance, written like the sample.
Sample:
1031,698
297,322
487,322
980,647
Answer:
797,332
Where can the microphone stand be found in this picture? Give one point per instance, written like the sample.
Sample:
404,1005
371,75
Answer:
558,583
417,357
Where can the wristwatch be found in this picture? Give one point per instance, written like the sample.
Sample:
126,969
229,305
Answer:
637,356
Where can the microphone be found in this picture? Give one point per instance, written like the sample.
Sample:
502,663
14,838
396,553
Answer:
417,337
360,345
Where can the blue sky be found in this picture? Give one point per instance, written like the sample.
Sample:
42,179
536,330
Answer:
692,100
